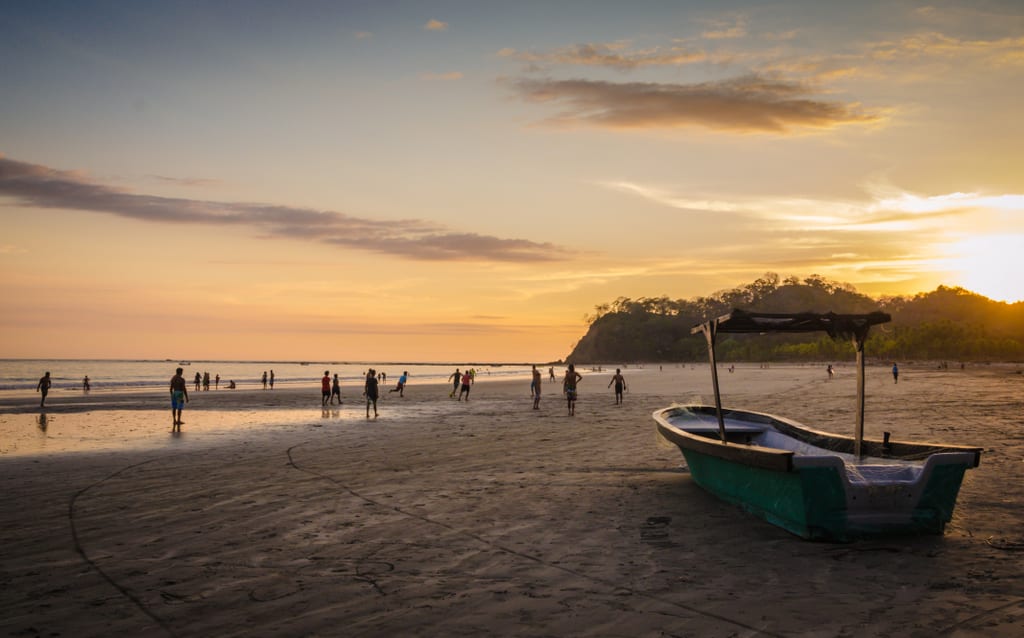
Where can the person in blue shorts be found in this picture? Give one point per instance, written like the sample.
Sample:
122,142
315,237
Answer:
179,397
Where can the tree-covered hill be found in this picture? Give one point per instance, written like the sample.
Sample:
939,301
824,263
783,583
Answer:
948,323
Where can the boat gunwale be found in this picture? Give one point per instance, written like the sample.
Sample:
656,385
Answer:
768,457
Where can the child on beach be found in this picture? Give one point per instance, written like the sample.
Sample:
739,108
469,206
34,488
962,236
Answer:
620,385
569,387
336,390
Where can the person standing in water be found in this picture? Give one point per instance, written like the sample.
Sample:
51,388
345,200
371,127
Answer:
895,373
620,385
179,397
572,378
44,386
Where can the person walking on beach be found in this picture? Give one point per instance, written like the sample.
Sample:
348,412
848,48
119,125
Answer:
400,387
265,379
457,376
831,372
336,390
467,380
569,387
206,382
199,381
271,379
325,386
179,397
535,388
551,374
44,386
371,391
620,385
85,385
895,373
216,382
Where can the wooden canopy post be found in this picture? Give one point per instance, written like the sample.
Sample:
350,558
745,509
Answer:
710,330
858,343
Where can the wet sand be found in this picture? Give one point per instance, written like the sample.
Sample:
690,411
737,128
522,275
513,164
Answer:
271,517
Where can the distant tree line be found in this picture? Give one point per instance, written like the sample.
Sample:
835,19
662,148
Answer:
946,324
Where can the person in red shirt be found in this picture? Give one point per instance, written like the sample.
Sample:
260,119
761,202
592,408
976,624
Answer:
325,388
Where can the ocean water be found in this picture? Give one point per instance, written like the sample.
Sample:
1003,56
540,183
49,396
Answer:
21,375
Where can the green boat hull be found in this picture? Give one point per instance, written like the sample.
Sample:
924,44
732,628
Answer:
811,502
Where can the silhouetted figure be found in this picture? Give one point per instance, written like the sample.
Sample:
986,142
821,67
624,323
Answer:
569,387
400,387
370,390
620,385
535,388
179,397
44,387
336,390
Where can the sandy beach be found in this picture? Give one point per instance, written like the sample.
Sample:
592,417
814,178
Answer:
269,516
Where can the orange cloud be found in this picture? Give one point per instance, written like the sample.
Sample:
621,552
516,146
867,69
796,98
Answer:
613,55
750,104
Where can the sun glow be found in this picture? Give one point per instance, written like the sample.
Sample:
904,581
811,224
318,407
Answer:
991,266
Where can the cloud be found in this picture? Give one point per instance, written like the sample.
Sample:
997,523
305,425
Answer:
363,35
1000,52
448,77
614,55
750,104
727,29
39,186
185,181
885,209
435,25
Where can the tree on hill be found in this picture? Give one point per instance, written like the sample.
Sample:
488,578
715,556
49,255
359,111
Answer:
948,323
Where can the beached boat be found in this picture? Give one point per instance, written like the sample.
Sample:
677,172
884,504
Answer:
815,484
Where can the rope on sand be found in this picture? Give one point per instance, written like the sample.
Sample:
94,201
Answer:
616,587
99,570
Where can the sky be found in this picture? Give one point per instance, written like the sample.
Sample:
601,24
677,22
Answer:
467,180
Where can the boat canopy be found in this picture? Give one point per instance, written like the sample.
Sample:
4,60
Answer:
837,326
853,327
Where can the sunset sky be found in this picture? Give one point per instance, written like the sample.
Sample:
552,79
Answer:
465,181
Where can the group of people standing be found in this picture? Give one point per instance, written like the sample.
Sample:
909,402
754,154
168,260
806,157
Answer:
462,382
569,386
331,389
204,379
